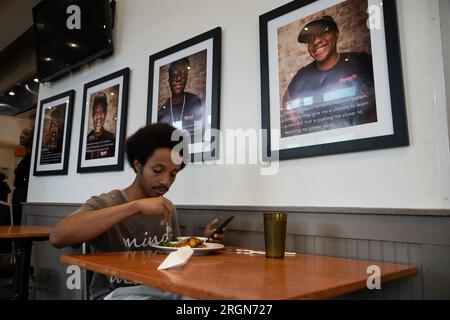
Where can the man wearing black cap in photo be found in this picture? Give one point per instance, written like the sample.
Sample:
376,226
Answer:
335,91
100,142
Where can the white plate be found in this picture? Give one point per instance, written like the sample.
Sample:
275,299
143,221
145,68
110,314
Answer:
210,247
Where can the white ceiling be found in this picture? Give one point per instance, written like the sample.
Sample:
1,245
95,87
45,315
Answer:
15,18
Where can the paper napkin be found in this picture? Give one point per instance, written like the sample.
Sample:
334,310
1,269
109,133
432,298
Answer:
177,258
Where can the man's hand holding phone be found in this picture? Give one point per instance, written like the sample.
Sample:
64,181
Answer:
216,234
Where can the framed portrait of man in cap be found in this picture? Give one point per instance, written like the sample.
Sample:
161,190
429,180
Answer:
326,75
103,123
54,132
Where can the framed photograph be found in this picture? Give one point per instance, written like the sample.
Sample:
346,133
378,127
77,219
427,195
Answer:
184,91
103,123
54,131
331,78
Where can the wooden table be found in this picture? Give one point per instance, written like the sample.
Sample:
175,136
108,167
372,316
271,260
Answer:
23,237
228,275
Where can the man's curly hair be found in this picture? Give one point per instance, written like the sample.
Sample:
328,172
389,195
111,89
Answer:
143,143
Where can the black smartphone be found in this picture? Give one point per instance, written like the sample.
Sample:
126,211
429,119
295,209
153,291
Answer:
221,227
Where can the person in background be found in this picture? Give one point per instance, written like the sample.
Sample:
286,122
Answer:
5,220
22,174
4,188
134,218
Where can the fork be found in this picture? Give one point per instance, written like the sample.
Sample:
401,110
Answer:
254,252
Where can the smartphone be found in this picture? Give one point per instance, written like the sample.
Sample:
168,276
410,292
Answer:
221,227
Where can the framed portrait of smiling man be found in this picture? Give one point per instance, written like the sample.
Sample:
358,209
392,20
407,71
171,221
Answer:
103,123
331,78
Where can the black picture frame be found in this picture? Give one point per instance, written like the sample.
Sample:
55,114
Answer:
201,97
103,151
54,134
386,36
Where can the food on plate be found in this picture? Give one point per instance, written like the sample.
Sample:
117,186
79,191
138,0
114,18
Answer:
192,242
166,244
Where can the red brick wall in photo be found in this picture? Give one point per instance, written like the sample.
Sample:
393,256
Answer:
196,82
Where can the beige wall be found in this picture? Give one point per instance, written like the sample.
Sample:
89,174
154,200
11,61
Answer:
408,177
445,22
8,164
10,129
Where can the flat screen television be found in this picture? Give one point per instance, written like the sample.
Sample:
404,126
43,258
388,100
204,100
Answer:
71,33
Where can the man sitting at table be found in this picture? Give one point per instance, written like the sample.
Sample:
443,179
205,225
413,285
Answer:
133,218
